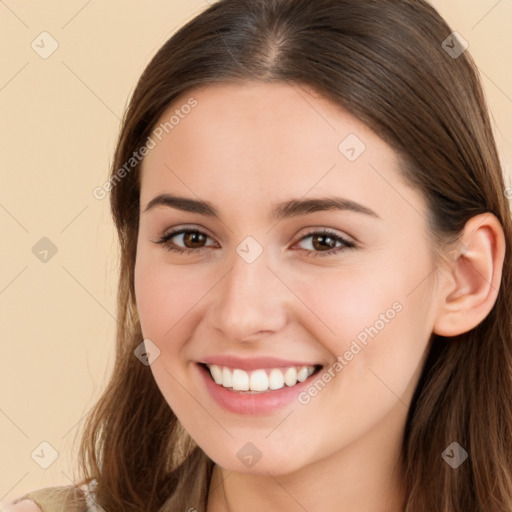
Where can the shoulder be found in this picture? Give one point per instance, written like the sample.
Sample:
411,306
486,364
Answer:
68,498
25,505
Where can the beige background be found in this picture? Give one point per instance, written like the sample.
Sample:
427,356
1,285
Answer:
59,122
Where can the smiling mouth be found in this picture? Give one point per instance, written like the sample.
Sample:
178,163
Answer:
259,380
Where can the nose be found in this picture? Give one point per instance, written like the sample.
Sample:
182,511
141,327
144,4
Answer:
250,302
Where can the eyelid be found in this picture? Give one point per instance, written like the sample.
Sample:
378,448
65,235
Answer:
176,230
318,230
180,230
345,242
311,230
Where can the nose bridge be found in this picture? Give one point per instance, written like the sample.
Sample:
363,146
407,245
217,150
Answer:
249,299
248,279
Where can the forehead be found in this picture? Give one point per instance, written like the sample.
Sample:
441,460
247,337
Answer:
253,141
247,115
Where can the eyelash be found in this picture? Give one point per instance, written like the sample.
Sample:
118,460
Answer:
164,240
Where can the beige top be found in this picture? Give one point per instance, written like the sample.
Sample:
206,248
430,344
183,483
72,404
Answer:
68,498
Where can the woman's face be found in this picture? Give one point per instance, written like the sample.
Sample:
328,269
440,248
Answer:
267,291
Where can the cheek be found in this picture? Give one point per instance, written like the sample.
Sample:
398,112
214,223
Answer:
381,334
341,304
377,317
166,296
165,299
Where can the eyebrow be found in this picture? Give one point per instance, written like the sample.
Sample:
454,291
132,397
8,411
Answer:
291,208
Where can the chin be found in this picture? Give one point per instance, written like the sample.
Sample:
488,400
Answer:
251,460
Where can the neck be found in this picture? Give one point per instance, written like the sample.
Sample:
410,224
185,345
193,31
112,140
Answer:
362,477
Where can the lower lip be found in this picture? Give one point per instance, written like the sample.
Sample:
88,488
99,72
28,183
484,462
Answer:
240,402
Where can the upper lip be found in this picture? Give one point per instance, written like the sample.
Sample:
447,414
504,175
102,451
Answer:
253,363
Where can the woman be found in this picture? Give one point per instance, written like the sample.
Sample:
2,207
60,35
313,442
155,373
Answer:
252,373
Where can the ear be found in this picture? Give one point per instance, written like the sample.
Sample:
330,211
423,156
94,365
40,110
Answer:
469,285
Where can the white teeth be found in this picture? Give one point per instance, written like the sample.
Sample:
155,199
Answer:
216,373
240,380
227,379
259,380
290,377
302,375
276,379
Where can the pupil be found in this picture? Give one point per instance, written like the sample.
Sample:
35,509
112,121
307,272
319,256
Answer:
193,238
327,240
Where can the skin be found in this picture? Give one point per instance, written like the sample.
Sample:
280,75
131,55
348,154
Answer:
245,148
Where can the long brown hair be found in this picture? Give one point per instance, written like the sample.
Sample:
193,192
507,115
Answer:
384,62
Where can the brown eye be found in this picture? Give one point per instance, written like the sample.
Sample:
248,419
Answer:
321,242
325,243
194,239
184,241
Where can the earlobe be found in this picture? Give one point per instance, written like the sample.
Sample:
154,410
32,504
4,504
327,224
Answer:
470,285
